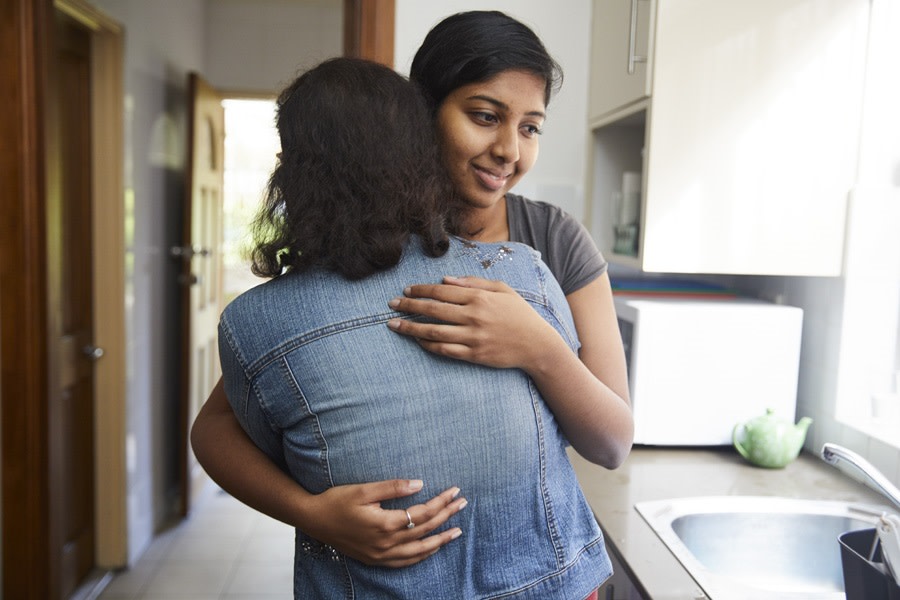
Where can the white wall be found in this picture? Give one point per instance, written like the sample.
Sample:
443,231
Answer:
260,46
163,41
564,27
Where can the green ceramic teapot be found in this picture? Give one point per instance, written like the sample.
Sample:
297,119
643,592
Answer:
768,441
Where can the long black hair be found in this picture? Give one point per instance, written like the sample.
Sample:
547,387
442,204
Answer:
359,171
475,46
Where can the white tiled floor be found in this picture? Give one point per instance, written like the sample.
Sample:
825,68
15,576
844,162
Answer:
223,551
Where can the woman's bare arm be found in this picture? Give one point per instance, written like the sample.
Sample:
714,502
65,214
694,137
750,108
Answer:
348,518
486,322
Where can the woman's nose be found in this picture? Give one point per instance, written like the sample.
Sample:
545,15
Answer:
506,145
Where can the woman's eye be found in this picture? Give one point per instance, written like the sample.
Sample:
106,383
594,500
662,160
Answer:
532,130
484,117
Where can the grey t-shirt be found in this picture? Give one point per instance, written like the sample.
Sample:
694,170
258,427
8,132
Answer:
564,243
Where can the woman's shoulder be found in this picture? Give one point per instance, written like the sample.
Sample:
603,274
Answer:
267,301
564,242
536,222
536,209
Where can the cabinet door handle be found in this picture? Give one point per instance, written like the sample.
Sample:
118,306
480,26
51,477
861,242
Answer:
632,39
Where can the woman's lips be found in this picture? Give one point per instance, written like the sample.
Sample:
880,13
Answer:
491,180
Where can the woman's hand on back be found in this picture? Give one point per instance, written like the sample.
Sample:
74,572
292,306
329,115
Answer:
482,321
350,519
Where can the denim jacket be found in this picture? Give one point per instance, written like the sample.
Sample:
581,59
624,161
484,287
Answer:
330,393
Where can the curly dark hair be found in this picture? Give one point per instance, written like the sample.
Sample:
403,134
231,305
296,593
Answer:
359,171
474,46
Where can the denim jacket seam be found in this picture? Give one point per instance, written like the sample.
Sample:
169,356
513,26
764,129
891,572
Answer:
571,336
546,498
349,592
261,363
226,332
320,436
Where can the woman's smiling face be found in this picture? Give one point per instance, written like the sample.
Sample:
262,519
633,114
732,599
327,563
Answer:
489,134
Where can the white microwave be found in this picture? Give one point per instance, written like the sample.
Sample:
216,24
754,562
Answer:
698,367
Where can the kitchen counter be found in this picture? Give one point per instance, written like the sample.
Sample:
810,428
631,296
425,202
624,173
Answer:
662,473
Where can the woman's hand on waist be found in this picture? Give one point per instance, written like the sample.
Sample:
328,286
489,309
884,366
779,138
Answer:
350,519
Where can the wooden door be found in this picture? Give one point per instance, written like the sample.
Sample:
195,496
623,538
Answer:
70,281
202,266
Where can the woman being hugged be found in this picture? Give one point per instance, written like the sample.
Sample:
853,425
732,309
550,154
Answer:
488,79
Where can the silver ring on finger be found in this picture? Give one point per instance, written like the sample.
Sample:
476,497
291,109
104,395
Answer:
409,523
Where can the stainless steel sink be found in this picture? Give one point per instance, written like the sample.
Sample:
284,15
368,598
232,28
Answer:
748,547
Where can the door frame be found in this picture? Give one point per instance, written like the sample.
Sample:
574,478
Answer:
25,359
369,30
108,221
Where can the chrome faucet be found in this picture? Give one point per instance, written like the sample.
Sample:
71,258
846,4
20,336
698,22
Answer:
833,454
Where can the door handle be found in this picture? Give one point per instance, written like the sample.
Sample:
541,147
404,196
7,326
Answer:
192,279
632,39
188,252
93,352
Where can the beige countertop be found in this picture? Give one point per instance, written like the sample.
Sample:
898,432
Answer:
662,473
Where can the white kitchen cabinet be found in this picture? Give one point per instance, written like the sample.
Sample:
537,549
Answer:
619,54
747,142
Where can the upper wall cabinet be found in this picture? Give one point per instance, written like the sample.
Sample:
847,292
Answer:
741,130
620,74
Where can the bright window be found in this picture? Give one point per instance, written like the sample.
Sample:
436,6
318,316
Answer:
869,369
869,376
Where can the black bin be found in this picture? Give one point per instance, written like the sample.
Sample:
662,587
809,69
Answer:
865,579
